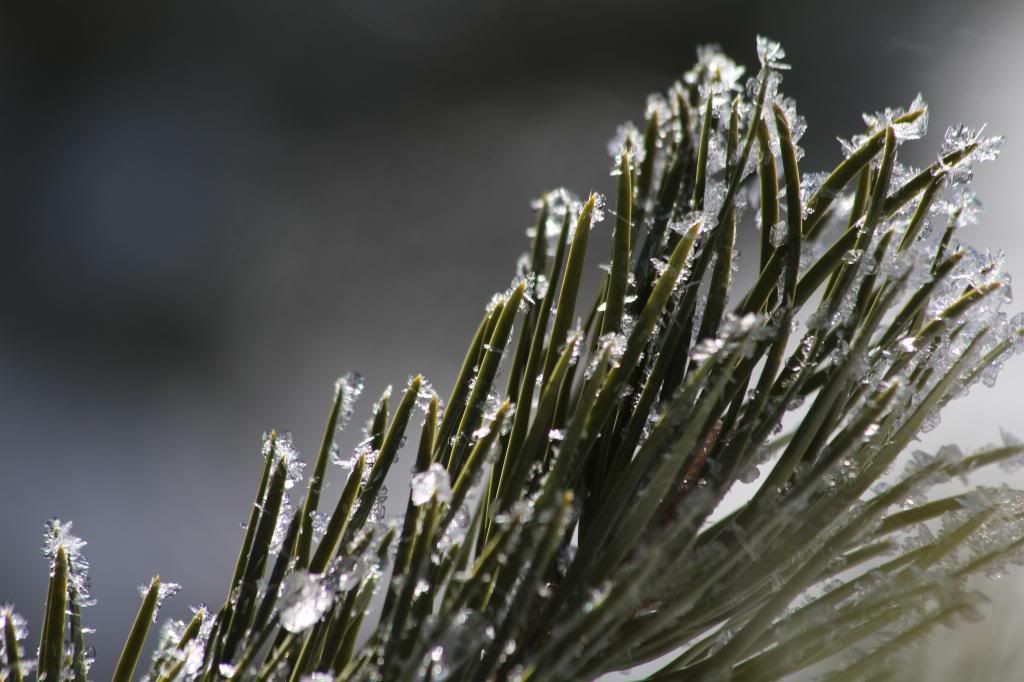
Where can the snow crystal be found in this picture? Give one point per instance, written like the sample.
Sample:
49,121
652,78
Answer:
303,600
906,130
58,534
770,54
627,140
20,625
456,531
349,386
287,454
434,482
961,136
165,590
716,66
779,234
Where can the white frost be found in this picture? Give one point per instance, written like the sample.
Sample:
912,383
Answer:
433,482
303,600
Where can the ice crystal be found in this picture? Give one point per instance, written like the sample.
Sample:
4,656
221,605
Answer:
716,66
770,54
962,136
58,534
627,140
303,599
349,387
166,589
20,627
431,484
905,130
778,234
465,638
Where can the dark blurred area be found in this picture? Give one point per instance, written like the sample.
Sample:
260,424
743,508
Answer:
210,210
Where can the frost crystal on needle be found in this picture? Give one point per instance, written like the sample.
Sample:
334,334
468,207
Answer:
770,54
433,482
304,598
165,590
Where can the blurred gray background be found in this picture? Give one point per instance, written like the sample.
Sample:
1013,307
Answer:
210,210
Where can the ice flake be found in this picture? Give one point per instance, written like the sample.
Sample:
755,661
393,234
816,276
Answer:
430,484
961,136
347,571
627,140
304,598
227,669
455,533
714,65
166,589
770,54
659,265
779,233
286,453
906,130
379,508
851,145
284,517
58,534
560,202
597,214
348,387
20,626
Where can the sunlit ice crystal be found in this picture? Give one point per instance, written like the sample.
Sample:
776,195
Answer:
432,483
629,141
7,614
166,589
304,598
716,66
58,534
289,455
771,54
962,136
903,130
348,388
779,233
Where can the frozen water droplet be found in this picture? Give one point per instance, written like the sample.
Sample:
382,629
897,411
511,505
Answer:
227,669
303,600
433,482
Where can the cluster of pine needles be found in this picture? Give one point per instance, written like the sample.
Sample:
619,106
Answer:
565,517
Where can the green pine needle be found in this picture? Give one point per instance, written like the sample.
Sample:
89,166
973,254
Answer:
583,513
